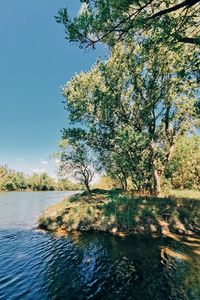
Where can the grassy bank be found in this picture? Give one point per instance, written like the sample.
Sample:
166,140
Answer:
124,213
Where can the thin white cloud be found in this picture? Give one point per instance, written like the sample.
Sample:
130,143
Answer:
43,162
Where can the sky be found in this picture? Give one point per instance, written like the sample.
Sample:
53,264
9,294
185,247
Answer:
35,61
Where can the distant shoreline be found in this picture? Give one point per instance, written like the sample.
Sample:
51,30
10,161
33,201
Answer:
29,191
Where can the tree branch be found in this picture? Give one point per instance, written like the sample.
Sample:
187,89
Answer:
195,41
186,3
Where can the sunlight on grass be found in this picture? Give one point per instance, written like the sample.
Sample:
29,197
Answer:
188,194
125,212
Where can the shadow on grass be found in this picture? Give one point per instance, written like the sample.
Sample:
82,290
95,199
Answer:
129,211
117,211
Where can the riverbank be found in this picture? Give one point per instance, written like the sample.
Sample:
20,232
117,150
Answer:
123,213
48,267
37,191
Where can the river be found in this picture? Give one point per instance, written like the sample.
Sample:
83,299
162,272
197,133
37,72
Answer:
37,265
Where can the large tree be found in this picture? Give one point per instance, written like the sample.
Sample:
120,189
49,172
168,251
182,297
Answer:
133,107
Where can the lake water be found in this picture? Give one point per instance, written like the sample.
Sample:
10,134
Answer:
37,265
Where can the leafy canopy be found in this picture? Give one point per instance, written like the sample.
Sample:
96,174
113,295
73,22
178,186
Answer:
133,107
110,21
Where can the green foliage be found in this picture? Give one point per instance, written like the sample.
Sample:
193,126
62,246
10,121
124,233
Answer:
11,180
65,185
17,181
76,161
41,182
117,211
184,168
133,108
169,22
107,182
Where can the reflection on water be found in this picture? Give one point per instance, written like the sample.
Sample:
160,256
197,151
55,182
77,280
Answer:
36,265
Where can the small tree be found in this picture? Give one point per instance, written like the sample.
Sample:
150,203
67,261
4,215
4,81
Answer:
77,162
184,168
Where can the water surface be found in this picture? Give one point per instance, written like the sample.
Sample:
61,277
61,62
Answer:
36,265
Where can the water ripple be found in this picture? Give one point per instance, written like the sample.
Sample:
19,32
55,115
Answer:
34,265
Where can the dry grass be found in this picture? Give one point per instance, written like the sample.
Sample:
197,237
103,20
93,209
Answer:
184,194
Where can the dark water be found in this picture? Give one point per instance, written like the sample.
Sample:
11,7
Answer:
36,265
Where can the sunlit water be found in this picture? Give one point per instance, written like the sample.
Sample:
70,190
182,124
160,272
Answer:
36,265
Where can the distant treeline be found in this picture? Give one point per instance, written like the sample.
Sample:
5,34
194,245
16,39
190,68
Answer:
11,180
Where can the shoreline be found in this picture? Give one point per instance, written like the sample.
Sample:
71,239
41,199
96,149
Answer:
32,191
123,214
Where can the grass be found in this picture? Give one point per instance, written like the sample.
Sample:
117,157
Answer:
184,194
116,211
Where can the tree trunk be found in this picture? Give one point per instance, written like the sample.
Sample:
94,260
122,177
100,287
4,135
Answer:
123,181
157,183
87,186
125,184
122,184
156,172
172,181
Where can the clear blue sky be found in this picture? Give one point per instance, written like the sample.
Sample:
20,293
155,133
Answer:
35,60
